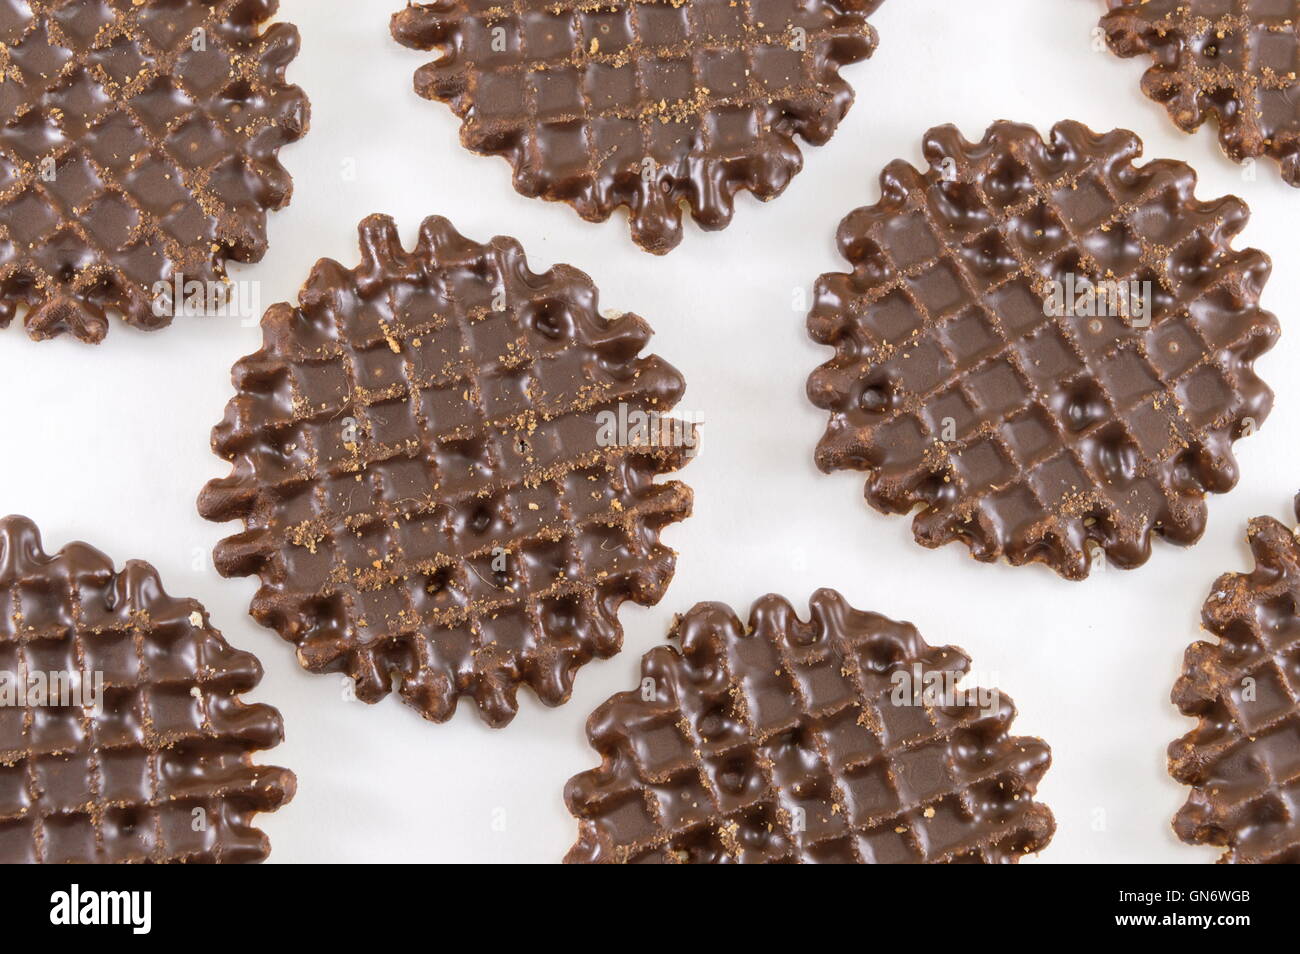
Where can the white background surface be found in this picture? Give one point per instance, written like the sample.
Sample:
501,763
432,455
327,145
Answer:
110,444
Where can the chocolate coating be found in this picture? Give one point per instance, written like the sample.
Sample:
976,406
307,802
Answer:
1233,60
138,143
419,464
784,741
1243,758
162,771
647,105
1028,432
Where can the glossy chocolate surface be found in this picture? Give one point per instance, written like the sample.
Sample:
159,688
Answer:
1235,61
645,105
1029,427
789,741
138,143
159,766
1243,758
430,498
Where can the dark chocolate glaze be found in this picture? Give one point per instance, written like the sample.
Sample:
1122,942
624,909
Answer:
1026,435
1234,60
427,496
129,156
1243,758
647,105
164,771
784,741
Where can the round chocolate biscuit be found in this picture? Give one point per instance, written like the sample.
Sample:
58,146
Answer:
841,739
445,464
1233,60
123,734
643,104
1243,758
138,143
1043,348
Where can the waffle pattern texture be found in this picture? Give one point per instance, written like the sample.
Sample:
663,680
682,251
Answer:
1243,758
160,768
1233,60
643,104
428,495
138,143
1026,431
788,741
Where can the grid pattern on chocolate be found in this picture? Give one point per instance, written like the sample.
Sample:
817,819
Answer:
138,143
1027,435
157,767
1243,758
1234,60
785,741
643,103
429,496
